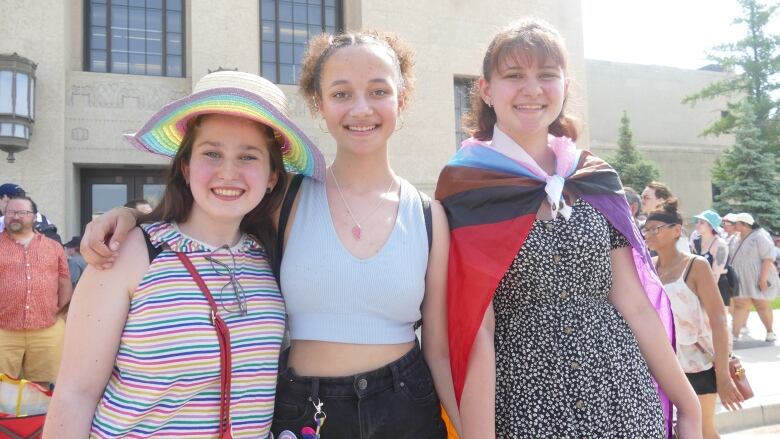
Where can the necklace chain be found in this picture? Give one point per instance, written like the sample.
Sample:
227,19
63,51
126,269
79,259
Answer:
357,229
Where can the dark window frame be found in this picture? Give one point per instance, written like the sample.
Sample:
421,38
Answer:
133,179
460,81
87,49
338,26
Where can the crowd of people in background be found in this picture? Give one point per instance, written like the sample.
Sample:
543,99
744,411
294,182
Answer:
743,256
723,268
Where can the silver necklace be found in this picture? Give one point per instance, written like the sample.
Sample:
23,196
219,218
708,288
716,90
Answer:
357,229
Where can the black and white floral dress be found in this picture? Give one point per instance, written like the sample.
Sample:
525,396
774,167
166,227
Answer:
567,364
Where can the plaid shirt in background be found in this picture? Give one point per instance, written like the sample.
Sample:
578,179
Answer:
29,282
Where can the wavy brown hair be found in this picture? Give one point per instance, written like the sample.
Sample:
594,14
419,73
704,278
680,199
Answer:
176,203
321,47
528,40
660,190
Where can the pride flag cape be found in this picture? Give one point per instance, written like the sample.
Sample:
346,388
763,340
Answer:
491,202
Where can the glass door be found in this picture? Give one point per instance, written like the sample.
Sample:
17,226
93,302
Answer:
104,189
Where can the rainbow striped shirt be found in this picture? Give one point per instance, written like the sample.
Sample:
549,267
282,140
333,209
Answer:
165,381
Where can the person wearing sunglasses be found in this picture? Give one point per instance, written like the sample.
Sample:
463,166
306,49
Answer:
699,316
181,337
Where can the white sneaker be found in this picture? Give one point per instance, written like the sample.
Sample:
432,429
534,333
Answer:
744,331
770,336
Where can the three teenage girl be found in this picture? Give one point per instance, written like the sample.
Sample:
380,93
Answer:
556,319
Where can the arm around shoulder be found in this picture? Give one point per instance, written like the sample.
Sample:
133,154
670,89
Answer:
93,331
114,225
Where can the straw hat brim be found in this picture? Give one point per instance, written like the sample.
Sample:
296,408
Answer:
164,131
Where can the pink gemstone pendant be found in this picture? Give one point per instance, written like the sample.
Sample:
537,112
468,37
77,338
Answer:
356,231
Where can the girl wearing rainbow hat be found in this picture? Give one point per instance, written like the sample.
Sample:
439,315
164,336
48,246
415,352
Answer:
181,337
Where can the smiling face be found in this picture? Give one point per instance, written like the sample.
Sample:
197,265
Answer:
229,168
527,94
360,97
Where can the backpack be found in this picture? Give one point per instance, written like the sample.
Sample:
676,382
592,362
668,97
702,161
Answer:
47,229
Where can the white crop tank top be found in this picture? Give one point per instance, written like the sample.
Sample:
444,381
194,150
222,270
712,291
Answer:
333,296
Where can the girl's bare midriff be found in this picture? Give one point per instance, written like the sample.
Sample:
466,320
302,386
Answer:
327,359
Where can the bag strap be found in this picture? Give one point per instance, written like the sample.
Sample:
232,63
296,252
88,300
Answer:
150,248
714,239
741,241
284,217
688,269
223,336
425,200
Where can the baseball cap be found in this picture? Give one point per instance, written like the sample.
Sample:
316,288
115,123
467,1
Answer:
74,242
11,190
744,218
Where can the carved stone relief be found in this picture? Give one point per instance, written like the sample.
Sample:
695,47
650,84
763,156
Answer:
79,134
121,95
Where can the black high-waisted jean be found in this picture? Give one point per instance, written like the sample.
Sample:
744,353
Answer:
395,401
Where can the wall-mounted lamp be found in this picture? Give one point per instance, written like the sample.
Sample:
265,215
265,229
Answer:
17,103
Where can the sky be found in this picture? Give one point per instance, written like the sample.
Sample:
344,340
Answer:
661,32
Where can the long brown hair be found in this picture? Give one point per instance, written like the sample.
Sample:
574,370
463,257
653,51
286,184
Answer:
532,40
176,203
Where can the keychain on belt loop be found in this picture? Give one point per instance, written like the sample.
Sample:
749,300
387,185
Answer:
319,421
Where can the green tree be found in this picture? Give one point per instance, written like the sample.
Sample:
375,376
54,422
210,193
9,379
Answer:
633,169
755,61
746,174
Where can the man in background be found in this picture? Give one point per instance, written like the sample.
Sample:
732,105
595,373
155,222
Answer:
634,204
76,262
140,205
42,224
34,287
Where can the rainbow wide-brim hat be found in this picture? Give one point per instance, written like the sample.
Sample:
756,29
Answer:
236,94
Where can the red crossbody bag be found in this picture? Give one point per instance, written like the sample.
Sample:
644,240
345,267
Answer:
223,336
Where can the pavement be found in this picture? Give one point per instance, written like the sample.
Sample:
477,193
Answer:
761,361
772,431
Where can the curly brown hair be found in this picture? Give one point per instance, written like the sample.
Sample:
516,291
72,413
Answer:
529,39
321,47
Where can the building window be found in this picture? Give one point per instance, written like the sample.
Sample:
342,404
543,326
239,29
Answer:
462,107
287,26
137,37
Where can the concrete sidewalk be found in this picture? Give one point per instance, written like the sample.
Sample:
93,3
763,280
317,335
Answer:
762,366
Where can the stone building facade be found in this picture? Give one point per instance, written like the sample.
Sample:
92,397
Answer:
78,165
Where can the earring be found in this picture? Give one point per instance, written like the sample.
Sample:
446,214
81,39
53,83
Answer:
268,190
489,104
324,129
399,128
